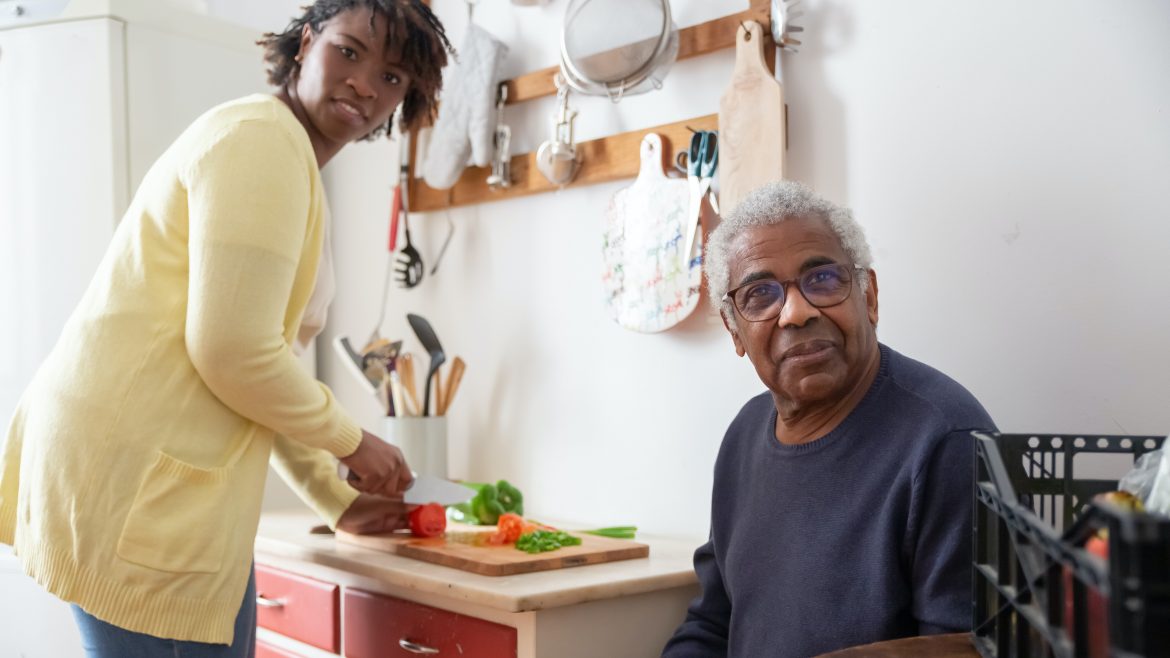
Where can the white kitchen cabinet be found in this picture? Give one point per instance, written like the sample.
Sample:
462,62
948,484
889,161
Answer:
91,93
63,178
89,97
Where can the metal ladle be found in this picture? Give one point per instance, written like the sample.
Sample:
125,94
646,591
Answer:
558,159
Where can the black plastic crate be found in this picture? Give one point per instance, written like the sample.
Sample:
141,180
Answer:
1033,514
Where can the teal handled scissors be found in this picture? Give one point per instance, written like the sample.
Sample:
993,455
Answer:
702,160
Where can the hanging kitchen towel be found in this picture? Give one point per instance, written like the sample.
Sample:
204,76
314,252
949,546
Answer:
467,114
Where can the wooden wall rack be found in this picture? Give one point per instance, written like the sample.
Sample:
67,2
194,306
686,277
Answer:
604,159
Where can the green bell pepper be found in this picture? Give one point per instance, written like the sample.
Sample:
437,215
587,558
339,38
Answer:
490,502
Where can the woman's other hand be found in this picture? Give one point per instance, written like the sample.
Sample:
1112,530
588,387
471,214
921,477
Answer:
369,515
377,467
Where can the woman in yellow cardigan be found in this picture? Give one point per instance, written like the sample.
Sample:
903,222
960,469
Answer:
132,472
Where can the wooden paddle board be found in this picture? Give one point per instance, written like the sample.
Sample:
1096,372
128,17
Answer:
752,138
460,550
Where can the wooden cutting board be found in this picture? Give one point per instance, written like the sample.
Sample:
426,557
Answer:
752,139
459,552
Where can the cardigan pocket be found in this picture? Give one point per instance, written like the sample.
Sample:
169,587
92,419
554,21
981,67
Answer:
179,521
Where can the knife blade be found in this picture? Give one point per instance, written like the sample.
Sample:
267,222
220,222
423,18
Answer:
430,489
426,489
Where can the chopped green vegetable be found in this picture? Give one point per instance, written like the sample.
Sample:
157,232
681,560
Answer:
539,541
616,532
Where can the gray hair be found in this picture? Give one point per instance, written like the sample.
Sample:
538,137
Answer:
772,204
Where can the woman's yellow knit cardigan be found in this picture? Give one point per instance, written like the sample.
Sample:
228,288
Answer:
132,473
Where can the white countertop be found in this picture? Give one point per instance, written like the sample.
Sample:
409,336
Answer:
286,536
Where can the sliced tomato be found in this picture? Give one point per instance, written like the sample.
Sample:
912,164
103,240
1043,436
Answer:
428,520
510,526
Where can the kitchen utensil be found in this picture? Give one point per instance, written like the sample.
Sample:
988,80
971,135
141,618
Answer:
430,489
430,342
446,241
464,547
501,176
406,372
702,159
457,369
352,361
410,264
602,55
384,395
751,121
426,487
783,13
395,211
379,357
397,398
647,286
557,159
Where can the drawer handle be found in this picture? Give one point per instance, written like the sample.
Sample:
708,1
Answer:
414,647
268,603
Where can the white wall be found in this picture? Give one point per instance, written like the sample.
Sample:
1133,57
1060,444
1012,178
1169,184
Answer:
1007,160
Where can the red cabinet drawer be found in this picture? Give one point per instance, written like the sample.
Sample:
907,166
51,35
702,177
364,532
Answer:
265,650
298,607
378,626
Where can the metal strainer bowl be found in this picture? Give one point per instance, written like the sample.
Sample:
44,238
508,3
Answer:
617,48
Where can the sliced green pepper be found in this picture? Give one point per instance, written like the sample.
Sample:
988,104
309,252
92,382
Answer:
539,541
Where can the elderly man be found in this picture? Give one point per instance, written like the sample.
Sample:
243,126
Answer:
841,512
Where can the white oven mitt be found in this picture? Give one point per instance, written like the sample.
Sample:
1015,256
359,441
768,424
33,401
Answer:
467,114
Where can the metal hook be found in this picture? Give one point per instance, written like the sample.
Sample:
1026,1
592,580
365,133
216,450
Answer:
471,8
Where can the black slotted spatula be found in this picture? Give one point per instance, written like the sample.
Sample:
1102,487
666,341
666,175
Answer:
430,342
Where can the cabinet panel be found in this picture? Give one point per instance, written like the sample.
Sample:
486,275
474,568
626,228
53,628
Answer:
378,626
265,650
298,607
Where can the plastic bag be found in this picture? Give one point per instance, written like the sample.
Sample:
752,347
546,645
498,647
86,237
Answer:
1159,500
1149,480
1140,480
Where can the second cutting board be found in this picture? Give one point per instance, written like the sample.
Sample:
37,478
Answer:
752,137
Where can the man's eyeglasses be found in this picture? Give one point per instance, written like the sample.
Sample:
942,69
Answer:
821,286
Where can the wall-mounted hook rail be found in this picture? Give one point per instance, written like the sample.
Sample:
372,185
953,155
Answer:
604,159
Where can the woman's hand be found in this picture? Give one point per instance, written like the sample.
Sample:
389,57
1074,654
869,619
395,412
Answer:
369,515
377,467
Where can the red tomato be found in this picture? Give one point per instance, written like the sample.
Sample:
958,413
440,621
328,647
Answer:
428,520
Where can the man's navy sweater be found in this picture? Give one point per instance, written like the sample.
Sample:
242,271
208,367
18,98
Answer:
860,536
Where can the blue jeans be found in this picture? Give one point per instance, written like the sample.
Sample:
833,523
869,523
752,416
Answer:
102,640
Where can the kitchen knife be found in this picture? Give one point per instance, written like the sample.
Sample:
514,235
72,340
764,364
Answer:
426,489
430,489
